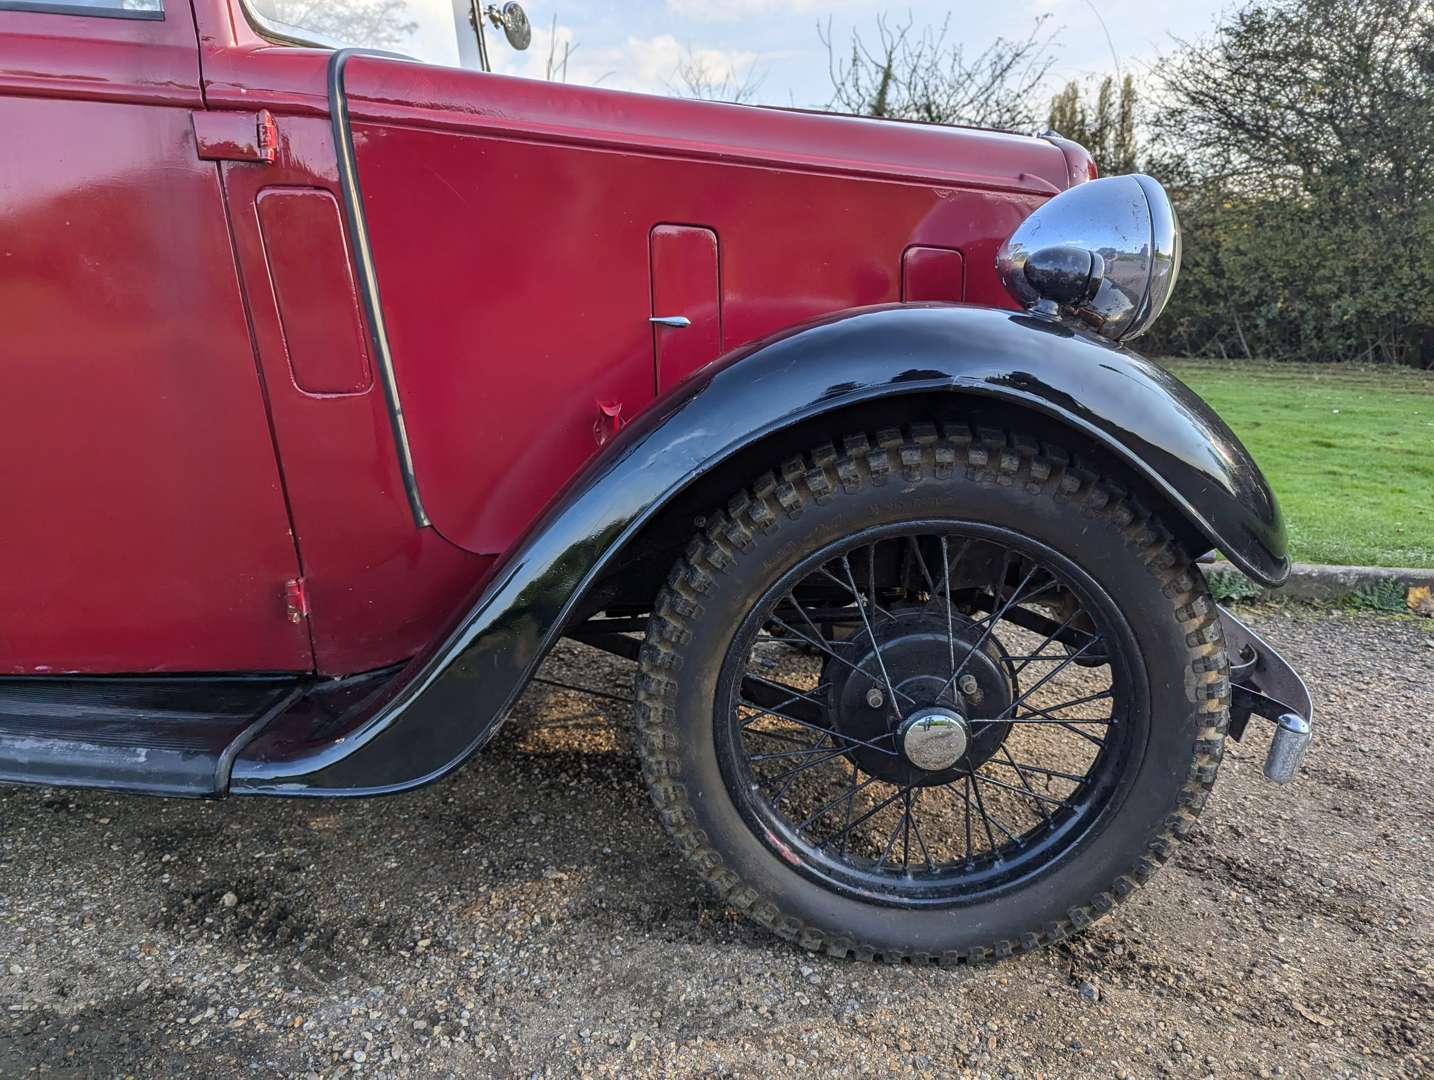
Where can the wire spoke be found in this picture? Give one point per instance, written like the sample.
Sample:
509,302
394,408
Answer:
878,808
1047,677
1026,784
876,645
830,785
852,739
920,559
921,840
758,697
848,796
791,598
946,567
775,755
1048,639
853,589
1084,735
778,736
793,773
984,779
850,802
895,832
1022,766
839,659
991,622
1049,712
966,798
906,834
987,818
804,695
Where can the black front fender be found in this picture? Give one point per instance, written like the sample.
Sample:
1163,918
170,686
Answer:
450,700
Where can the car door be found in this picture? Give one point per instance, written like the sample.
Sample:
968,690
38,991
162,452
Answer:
145,526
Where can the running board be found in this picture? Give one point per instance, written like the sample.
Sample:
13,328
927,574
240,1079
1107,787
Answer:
153,736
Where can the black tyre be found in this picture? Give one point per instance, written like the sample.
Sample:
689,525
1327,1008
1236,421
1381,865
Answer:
931,694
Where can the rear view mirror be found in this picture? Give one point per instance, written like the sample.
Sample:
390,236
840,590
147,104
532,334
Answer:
510,18
514,21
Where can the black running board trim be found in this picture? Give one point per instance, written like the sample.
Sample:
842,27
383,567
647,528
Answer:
176,736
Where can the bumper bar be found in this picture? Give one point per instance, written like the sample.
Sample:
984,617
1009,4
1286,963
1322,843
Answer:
1263,684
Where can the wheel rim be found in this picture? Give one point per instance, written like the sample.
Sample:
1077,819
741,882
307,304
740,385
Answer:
930,713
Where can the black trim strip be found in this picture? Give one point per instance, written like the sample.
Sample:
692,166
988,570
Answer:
225,765
96,11
364,268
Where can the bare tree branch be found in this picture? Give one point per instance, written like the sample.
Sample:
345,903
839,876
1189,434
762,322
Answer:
699,76
923,74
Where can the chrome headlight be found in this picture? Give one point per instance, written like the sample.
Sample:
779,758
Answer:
1107,251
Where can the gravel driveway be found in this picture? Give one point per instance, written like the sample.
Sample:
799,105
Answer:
526,917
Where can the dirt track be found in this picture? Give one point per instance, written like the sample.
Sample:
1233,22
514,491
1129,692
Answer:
528,917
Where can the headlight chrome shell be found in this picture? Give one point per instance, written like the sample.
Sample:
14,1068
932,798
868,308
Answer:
1129,223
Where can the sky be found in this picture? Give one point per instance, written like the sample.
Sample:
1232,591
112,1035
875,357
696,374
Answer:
638,44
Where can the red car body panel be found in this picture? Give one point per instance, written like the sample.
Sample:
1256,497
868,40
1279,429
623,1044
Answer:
509,339
180,446
93,59
146,527
379,587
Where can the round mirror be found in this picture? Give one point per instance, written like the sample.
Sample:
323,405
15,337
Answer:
1129,223
516,27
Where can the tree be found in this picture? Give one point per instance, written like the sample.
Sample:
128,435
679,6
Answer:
374,24
1300,139
1106,128
561,47
708,77
912,74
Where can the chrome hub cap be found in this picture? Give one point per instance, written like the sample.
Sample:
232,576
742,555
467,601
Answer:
934,738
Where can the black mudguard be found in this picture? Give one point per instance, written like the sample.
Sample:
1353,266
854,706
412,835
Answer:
451,699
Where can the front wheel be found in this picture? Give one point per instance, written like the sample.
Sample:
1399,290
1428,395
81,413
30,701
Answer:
931,695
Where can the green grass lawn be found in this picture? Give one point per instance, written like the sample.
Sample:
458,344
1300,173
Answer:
1349,452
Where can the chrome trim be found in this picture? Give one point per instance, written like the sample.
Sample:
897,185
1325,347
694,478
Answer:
1165,251
1293,735
282,33
471,47
366,271
1129,222
285,33
677,322
934,739
1262,683
475,14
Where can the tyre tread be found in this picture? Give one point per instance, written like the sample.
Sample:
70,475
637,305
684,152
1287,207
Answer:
919,452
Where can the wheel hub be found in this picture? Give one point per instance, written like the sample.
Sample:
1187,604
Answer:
934,738
916,728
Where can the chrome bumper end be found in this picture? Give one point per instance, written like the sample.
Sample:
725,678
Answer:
1262,683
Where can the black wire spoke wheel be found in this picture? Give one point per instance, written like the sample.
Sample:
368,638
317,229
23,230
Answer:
907,716
936,694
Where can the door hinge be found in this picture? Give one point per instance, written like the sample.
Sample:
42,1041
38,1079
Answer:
296,599
234,136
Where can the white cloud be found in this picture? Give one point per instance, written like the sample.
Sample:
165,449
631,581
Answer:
739,10
647,64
